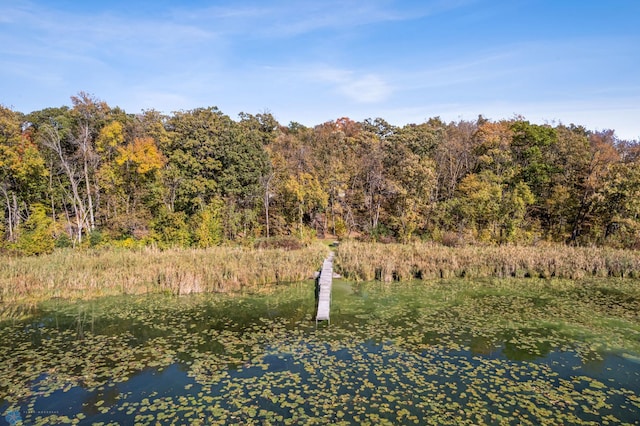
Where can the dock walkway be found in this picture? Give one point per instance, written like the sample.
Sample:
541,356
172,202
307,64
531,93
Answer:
324,292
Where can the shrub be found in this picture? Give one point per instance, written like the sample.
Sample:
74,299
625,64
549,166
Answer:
340,228
35,235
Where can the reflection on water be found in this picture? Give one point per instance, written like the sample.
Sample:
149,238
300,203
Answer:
435,353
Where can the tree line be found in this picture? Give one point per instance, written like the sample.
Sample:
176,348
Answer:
91,174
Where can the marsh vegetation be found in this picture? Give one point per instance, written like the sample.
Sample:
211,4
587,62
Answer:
73,274
404,262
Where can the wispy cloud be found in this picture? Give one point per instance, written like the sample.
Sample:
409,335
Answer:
355,87
95,51
470,69
56,30
351,85
368,88
288,19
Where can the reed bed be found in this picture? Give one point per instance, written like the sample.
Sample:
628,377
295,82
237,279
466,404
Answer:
83,275
397,262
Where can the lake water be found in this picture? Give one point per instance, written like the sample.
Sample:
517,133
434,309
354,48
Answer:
446,352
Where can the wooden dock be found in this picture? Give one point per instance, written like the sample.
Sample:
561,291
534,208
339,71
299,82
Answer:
323,290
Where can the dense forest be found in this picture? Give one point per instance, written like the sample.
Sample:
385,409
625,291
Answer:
91,175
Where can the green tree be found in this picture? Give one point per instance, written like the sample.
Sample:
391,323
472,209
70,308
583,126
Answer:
571,156
243,161
210,155
193,161
532,147
516,203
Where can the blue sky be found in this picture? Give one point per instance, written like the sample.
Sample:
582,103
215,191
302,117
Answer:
569,61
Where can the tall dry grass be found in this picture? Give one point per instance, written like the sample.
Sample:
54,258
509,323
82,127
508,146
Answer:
73,274
389,262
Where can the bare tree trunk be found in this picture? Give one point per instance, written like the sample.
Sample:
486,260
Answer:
85,148
333,217
53,142
92,221
70,225
16,211
266,211
171,186
53,204
301,212
266,183
376,216
10,220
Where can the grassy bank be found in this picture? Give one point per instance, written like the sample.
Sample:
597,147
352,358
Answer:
82,275
389,262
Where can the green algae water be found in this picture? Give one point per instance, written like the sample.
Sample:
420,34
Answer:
443,352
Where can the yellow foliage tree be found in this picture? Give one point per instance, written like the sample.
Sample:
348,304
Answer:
111,137
143,154
306,192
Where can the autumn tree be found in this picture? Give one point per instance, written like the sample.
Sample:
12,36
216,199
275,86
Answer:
304,192
370,184
411,182
22,173
602,155
617,205
199,178
454,157
334,146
